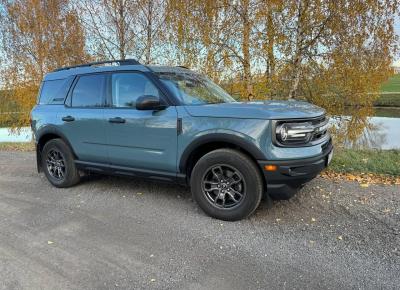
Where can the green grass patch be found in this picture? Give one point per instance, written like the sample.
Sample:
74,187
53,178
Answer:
17,146
388,100
392,84
387,112
366,161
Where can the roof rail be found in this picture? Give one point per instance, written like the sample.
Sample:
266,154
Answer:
119,61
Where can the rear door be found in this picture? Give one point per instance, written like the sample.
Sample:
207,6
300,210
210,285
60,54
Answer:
135,138
83,118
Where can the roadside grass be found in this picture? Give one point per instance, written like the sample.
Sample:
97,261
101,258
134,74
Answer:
17,146
385,162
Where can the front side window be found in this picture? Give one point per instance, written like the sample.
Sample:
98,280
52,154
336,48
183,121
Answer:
128,87
88,91
194,89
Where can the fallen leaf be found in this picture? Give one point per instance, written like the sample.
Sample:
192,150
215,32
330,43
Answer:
139,193
313,219
340,238
278,220
364,184
50,242
153,280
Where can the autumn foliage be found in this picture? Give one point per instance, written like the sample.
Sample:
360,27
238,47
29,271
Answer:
333,53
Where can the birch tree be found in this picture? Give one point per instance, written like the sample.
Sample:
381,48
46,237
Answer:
37,37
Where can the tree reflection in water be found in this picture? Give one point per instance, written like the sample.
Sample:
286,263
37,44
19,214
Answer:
356,129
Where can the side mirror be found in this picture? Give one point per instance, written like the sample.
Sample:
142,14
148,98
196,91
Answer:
148,102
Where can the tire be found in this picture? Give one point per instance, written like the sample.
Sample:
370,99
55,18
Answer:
236,173
56,153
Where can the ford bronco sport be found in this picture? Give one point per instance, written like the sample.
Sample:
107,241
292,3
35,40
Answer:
172,124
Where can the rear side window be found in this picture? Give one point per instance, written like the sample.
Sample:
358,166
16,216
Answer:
54,92
88,91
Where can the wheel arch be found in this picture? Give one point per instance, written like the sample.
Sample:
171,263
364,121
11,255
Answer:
207,143
44,136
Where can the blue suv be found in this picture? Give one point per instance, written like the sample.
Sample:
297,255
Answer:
172,124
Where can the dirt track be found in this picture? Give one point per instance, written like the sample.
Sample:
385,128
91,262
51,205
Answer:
112,232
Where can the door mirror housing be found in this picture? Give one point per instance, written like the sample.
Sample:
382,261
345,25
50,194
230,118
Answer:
149,102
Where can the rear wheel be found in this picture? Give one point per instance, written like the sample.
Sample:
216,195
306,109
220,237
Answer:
227,184
58,164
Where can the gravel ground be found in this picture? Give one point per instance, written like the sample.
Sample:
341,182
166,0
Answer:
112,233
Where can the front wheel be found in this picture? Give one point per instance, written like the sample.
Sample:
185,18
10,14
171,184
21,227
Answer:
227,184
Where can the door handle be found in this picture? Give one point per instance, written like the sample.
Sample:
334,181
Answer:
116,120
68,119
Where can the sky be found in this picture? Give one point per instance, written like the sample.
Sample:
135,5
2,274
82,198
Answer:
397,30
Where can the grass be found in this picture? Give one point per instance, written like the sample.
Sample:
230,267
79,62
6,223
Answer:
392,85
387,112
388,100
366,161
17,146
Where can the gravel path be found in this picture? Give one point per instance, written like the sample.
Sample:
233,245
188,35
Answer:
115,233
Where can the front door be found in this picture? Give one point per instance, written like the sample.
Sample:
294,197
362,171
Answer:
139,139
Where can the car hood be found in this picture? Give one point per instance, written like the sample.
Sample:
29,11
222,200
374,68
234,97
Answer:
257,110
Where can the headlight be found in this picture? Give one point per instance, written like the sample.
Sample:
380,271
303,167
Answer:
294,133
283,132
302,132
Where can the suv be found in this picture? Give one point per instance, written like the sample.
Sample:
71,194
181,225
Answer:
172,124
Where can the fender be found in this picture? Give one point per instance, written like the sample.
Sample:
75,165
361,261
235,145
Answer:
49,129
244,144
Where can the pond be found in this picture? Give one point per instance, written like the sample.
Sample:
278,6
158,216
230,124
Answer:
381,131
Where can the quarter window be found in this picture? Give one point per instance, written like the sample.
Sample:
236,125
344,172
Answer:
54,92
88,91
127,87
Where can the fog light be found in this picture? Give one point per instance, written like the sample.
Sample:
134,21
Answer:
270,167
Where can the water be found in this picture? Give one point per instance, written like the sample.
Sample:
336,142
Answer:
369,133
22,135
377,132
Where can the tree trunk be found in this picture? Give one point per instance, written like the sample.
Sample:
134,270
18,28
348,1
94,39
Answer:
121,30
246,50
297,58
149,30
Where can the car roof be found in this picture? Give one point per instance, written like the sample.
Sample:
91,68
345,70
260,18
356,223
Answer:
64,73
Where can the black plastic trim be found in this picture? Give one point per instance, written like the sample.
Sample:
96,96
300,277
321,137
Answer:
49,129
292,174
255,152
131,171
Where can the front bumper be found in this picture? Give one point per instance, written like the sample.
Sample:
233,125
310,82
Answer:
289,175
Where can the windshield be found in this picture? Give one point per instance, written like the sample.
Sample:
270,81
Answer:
194,89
